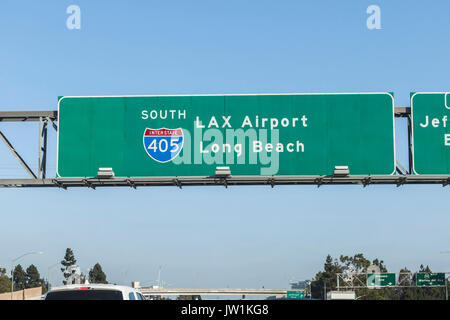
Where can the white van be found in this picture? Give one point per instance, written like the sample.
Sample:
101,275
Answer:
93,291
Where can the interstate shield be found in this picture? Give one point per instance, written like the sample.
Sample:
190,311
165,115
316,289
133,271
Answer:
163,145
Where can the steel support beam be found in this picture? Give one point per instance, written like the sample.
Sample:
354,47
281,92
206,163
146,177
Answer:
20,116
134,182
52,121
24,116
44,117
42,159
402,112
17,155
167,291
410,146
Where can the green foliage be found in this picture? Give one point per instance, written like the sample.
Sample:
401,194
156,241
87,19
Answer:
22,279
5,281
405,290
19,278
69,260
326,280
96,274
33,278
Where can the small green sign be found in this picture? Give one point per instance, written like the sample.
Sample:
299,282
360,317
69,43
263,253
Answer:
295,294
424,279
431,132
380,280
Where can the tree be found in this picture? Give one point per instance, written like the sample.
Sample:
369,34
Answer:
69,260
5,281
326,280
359,264
96,274
428,293
33,278
20,278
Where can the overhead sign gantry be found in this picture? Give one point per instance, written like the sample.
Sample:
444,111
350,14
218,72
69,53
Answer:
252,139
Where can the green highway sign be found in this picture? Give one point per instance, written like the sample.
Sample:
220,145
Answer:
431,132
295,294
253,135
380,280
424,279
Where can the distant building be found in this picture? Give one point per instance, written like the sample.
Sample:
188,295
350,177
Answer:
299,285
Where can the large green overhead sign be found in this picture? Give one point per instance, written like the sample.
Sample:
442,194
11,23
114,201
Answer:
253,135
431,132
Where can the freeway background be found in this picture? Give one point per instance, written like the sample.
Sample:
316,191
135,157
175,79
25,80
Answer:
217,237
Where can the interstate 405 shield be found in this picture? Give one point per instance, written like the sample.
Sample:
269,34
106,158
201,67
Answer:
255,134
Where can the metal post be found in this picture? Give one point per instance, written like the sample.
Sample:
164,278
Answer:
42,159
310,289
446,288
48,275
337,279
12,280
40,149
410,155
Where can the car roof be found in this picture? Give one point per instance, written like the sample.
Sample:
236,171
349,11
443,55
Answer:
96,286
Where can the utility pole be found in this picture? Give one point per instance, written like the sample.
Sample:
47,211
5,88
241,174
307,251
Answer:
446,288
159,277
48,275
446,279
337,281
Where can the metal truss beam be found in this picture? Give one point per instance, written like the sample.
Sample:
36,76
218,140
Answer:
403,177
42,161
43,117
179,182
203,292
17,155
402,112
23,116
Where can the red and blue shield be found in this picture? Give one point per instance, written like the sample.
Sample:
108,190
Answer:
163,145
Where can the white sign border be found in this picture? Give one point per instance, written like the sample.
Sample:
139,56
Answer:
228,94
412,125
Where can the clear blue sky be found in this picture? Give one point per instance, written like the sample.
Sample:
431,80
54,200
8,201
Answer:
217,237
